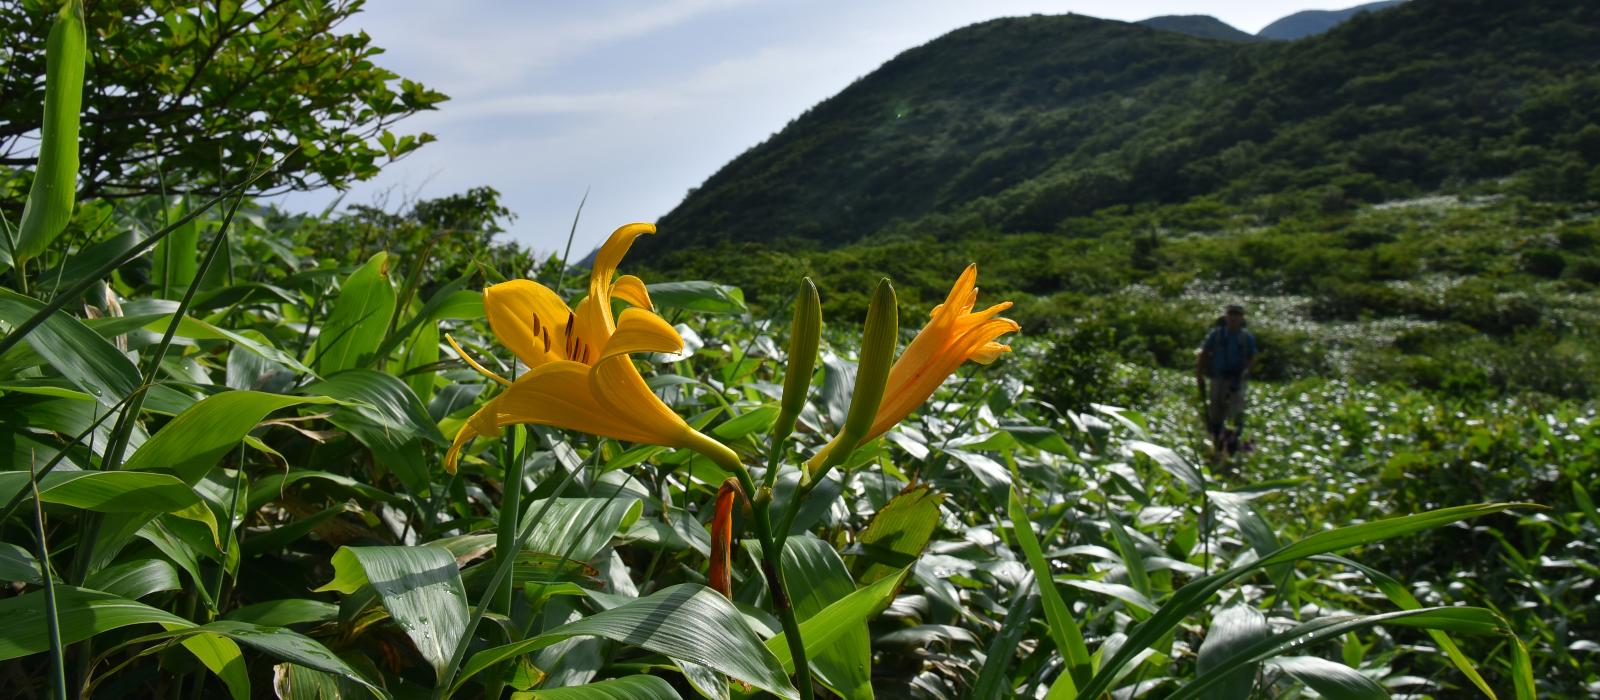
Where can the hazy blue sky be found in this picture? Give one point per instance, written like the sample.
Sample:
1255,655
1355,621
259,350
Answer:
641,101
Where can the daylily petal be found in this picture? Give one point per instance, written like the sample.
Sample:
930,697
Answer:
560,394
632,290
641,331
529,319
620,390
610,255
480,424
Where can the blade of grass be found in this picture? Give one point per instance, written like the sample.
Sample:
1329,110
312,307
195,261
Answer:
561,274
58,659
1063,629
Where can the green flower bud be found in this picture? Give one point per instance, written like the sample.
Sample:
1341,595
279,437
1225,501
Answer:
878,340
805,332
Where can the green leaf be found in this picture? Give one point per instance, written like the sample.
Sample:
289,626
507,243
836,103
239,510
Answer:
1234,628
84,614
686,621
1331,680
285,612
177,257
1063,628
81,355
1193,597
222,656
816,578
190,445
18,564
1460,619
1397,593
135,579
992,681
698,295
385,416
277,642
55,181
359,320
897,533
625,688
419,586
197,329
116,492
583,525
840,618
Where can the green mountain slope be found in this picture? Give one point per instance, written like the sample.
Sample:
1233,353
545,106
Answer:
1202,26
1312,22
1018,125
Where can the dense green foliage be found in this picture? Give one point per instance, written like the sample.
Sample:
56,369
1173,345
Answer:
181,93
1016,126
224,433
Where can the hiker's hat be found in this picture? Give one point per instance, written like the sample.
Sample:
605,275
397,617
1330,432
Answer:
1235,309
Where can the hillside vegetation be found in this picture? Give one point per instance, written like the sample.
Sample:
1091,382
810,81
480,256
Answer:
1016,126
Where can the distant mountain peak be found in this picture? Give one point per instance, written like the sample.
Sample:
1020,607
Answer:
1313,22
1202,26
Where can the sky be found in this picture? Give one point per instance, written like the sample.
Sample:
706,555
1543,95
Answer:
638,101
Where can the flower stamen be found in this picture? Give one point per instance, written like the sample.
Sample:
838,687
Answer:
474,363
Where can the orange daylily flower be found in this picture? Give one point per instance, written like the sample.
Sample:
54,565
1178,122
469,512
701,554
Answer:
954,335
580,374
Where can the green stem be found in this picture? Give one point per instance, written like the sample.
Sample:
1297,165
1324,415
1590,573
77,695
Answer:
771,554
510,508
58,666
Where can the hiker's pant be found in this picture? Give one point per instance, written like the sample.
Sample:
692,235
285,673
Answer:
1227,403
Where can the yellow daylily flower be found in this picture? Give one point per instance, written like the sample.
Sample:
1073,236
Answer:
580,375
954,335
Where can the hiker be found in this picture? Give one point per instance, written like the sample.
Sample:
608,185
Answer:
1226,357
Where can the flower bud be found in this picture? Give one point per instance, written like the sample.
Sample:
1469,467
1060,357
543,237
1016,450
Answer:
878,340
721,573
805,332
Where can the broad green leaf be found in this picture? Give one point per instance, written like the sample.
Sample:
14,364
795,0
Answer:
135,579
1456,619
191,443
422,351
189,327
852,612
81,355
84,614
177,257
222,656
18,564
686,621
1193,597
285,612
116,492
55,181
583,525
1171,461
698,295
386,417
189,446
1331,680
419,586
272,486
1234,628
277,642
816,578
897,533
625,688
359,320
755,420
1063,628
